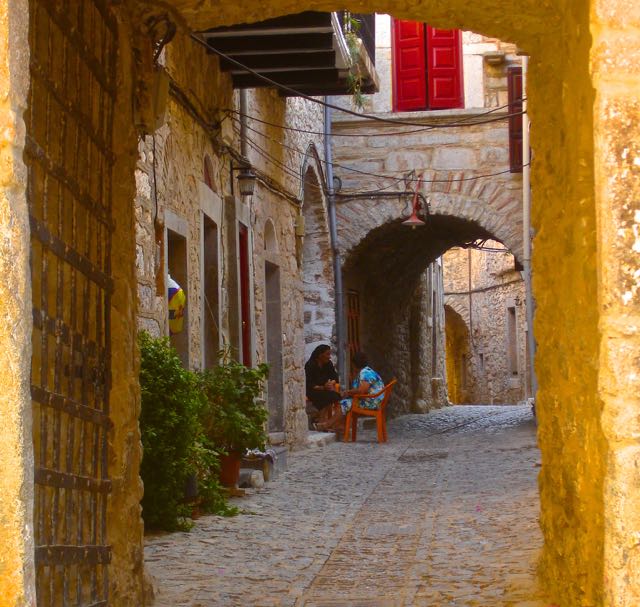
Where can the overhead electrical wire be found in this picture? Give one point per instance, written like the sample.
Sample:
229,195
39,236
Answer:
425,128
296,93
361,172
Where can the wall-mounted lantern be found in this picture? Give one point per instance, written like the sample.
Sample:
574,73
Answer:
246,179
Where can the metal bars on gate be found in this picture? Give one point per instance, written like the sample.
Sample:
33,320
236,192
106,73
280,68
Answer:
69,155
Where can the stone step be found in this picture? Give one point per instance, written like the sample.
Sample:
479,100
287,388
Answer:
319,439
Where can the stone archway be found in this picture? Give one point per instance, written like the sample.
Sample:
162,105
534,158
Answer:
493,208
317,268
580,86
572,172
394,270
561,106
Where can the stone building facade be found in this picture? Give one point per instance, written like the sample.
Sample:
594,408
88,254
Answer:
464,173
191,216
77,148
484,302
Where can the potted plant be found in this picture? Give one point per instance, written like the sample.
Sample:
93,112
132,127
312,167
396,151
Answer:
234,419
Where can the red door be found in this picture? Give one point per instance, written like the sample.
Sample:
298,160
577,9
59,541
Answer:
245,310
409,66
444,68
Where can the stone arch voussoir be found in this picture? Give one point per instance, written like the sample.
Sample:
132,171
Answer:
494,208
317,260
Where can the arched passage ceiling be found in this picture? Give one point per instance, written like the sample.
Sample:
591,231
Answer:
395,255
528,25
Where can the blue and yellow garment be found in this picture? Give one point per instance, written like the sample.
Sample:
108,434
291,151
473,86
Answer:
177,303
376,384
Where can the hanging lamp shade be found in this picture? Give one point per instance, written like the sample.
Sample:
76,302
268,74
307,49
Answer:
414,220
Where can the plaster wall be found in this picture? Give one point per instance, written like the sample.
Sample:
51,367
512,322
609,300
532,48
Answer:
485,85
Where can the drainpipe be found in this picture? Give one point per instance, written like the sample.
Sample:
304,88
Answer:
337,263
469,286
526,228
243,123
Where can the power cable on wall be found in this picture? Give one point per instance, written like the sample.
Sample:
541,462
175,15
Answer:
391,174
469,121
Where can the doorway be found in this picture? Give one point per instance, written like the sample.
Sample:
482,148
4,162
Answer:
273,318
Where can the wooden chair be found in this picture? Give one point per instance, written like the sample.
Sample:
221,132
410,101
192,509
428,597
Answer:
379,413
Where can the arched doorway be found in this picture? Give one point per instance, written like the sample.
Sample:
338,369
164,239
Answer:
273,329
457,352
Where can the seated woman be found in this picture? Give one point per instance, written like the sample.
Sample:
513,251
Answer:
321,378
366,381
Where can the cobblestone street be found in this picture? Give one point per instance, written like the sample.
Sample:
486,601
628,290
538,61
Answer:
443,514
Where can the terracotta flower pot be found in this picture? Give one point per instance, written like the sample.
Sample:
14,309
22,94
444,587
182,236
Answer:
230,468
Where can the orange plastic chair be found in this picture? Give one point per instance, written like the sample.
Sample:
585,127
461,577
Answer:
379,413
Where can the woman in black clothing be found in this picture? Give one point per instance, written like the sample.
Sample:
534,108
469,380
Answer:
321,379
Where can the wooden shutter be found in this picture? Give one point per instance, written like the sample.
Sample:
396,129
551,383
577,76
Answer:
409,66
444,68
514,83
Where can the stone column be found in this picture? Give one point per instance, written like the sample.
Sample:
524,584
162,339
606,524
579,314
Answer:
616,78
17,572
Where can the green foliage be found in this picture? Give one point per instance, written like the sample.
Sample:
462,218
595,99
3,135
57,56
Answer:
354,77
173,440
234,419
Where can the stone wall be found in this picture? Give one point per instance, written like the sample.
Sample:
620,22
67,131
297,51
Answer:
17,571
480,287
583,100
173,196
402,333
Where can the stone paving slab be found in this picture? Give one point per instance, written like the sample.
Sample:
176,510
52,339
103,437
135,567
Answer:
444,514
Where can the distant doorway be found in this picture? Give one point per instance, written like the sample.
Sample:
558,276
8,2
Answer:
211,341
273,314
245,308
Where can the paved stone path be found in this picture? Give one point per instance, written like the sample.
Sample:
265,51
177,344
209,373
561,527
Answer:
444,514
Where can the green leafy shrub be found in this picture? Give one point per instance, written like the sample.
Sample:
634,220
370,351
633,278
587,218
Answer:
234,419
173,440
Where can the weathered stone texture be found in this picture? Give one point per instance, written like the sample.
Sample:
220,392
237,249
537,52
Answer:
480,287
448,159
281,195
16,452
614,58
586,319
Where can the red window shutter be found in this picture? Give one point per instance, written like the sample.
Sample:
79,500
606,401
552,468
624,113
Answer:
514,84
409,69
444,68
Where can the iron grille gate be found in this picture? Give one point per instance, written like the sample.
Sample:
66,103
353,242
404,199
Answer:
70,159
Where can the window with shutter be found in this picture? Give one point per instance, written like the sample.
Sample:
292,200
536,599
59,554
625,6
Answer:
427,67
410,90
444,73
514,83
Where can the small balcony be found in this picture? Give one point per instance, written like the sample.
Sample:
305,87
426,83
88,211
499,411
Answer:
308,52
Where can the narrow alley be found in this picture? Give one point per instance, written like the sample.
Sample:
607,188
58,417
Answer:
445,513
